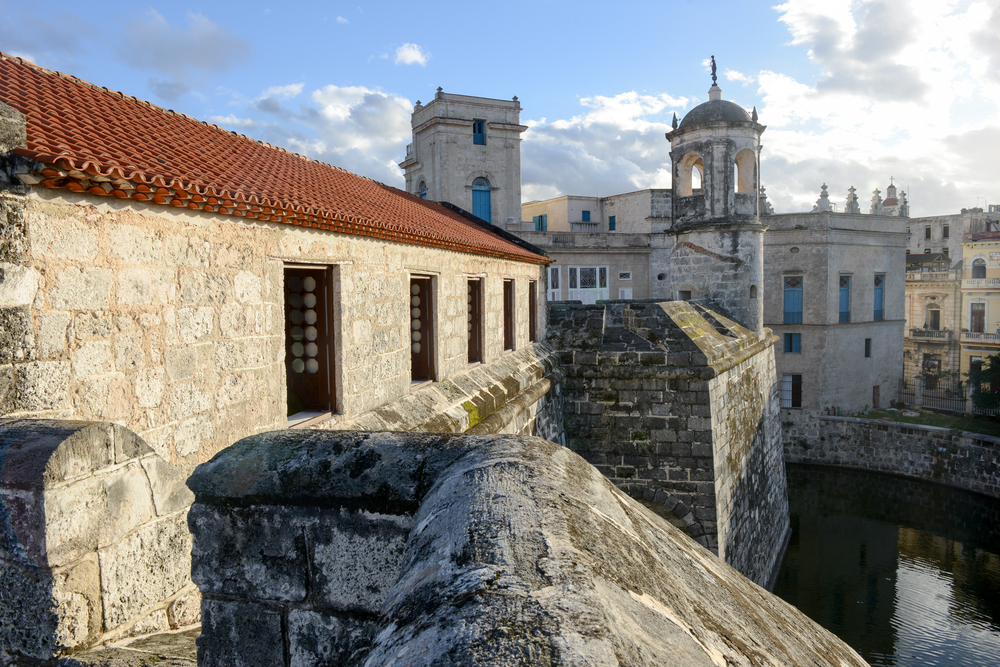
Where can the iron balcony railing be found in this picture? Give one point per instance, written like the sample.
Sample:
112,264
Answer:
980,337
932,334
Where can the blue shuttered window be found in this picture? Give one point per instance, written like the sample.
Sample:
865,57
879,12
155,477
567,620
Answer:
541,222
479,132
481,199
793,343
586,216
611,223
879,291
793,300
845,298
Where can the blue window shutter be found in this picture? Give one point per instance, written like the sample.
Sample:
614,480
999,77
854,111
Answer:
586,216
793,306
611,223
545,222
538,224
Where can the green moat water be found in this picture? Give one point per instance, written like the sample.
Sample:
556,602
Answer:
906,572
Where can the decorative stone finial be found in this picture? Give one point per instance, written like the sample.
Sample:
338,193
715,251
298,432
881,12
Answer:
514,98
753,116
674,124
823,203
714,78
765,206
440,92
852,205
876,208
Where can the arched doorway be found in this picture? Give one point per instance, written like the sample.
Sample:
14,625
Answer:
481,199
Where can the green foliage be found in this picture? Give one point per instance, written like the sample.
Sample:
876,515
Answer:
985,378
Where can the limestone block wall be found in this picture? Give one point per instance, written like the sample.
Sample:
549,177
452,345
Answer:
170,321
677,404
969,461
320,548
93,538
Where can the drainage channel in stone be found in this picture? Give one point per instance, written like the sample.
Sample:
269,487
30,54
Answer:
169,649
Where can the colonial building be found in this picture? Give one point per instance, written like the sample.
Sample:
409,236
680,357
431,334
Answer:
980,297
933,316
467,151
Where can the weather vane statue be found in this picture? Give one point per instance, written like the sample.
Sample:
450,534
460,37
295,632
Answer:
714,78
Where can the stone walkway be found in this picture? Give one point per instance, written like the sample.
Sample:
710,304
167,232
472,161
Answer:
170,649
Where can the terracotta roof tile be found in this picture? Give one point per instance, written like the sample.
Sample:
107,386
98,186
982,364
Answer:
112,144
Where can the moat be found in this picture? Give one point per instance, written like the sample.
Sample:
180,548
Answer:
906,572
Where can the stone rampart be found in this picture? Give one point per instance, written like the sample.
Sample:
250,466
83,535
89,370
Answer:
677,404
93,538
321,548
964,460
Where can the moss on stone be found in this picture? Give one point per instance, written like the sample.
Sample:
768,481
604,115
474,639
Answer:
473,413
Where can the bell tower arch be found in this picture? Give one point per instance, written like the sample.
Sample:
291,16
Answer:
719,239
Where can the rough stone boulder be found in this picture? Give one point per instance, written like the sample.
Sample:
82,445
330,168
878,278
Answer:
400,549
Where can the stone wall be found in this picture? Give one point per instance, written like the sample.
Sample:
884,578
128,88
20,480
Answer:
676,404
318,548
960,459
93,538
171,321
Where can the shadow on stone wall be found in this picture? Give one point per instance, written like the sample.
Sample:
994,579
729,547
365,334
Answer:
93,537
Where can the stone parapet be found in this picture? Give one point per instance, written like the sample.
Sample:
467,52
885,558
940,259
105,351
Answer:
964,460
349,549
93,542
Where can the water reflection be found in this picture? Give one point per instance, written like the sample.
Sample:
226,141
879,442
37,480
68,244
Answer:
907,573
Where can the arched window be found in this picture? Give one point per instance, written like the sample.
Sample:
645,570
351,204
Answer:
481,198
422,190
979,268
753,291
745,167
689,173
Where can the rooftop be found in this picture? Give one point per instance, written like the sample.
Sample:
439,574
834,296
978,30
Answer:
109,144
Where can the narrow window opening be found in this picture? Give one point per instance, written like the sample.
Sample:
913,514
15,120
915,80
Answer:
533,311
793,300
879,313
793,343
475,321
845,298
508,315
753,291
421,329
479,132
423,190
612,223
791,391
868,347
481,199
308,344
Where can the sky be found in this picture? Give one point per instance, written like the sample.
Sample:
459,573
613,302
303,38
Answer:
852,92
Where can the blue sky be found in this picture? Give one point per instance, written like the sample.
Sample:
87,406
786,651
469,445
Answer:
852,92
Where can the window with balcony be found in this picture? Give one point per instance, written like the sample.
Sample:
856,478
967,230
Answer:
979,268
793,300
879,313
933,319
845,298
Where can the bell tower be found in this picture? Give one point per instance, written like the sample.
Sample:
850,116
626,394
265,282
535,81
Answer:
719,239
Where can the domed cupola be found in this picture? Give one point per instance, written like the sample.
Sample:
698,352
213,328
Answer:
714,151
719,247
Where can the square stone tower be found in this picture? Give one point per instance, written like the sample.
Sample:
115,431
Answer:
467,151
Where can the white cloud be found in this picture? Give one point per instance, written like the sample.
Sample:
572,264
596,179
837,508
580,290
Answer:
341,20
233,121
411,54
903,91
733,75
616,145
283,92
360,129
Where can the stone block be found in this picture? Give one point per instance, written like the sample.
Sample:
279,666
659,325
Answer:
149,385
82,289
92,358
167,483
356,558
129,354
104,397
249,552
41,385
136,245
240,634
146,567
18,285
190,433
185,609
17,337
52,333
322,640
195,323
146,287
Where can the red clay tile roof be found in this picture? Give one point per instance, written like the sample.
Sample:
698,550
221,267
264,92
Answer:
111,144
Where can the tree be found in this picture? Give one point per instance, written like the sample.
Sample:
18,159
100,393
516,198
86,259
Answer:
986,383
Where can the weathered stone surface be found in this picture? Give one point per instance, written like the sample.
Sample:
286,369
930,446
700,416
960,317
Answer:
246,552
18,285
185,610
167,483
85,288
147,566
146,287
519,551
52,333
355,559
321,640
17,339
239,634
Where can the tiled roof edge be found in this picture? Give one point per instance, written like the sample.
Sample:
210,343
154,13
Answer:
503,233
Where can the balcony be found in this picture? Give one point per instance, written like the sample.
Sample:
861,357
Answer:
931,275
931,335
981,338
981,283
